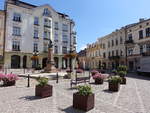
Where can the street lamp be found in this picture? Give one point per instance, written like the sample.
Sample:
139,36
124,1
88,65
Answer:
35,59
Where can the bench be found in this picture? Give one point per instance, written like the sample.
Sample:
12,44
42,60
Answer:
79,80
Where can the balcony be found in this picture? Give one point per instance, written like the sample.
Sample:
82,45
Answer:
114,57
17,20
47,26
36,37
15,49
129,42
146,53
45,38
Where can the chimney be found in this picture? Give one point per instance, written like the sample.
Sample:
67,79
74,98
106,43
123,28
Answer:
141,19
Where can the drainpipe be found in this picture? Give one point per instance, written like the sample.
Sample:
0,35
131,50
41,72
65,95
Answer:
4,38
126,52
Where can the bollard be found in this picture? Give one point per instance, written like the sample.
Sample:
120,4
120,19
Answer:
28,81
57,78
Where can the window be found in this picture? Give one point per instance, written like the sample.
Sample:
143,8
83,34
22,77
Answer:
148,47
47,23
147,32
56,26
15,46
16,31
56,37
112,43
130,51
141,49
45,48
121,53
64,50
117,53
112,53
47,34
36,34
140,34
17,17
116,42
65,39
46,12
121,40
108,44
109,54
130,36
104,55
103,46
56,50
35,48
36,21
65,27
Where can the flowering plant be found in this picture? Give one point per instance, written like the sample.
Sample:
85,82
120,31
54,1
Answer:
94,72
8,77
79,71
68,70
98,76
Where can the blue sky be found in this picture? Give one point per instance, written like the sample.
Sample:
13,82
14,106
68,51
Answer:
96,18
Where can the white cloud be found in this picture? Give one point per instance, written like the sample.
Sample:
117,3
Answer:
82,47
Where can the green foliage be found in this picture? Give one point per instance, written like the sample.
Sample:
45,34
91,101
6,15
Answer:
122,73
115,79
85,90
122,68
42,81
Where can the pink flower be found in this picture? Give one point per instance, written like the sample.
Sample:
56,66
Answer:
94,72
98,76
8,77
79,71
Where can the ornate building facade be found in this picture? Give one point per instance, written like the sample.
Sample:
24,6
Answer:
126,46
28,31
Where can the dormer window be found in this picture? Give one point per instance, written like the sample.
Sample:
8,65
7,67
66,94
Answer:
17,17
46,12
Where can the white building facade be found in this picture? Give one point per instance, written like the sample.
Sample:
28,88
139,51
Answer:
29,29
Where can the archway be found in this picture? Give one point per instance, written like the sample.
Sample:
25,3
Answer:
44,62
25,61
15,61
56,60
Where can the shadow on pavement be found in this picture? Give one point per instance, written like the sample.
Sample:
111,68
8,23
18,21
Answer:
30,98
136,76
70,109
107,91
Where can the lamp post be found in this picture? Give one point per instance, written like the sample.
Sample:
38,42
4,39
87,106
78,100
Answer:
35,59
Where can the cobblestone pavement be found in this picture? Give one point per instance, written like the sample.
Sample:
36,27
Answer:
132,98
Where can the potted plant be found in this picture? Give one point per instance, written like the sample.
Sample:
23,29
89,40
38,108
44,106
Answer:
84,98
8,79
79,71
93,72
99,78
114,83
43,89
122,72
68,75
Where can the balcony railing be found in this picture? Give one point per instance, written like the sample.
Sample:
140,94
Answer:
114,57
47,26
129,41
146,53
16,49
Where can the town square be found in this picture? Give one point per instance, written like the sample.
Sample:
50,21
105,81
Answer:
74,56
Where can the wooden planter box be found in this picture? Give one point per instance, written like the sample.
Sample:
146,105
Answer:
99,81
84,103
9,83
114,86
123,80
44,91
